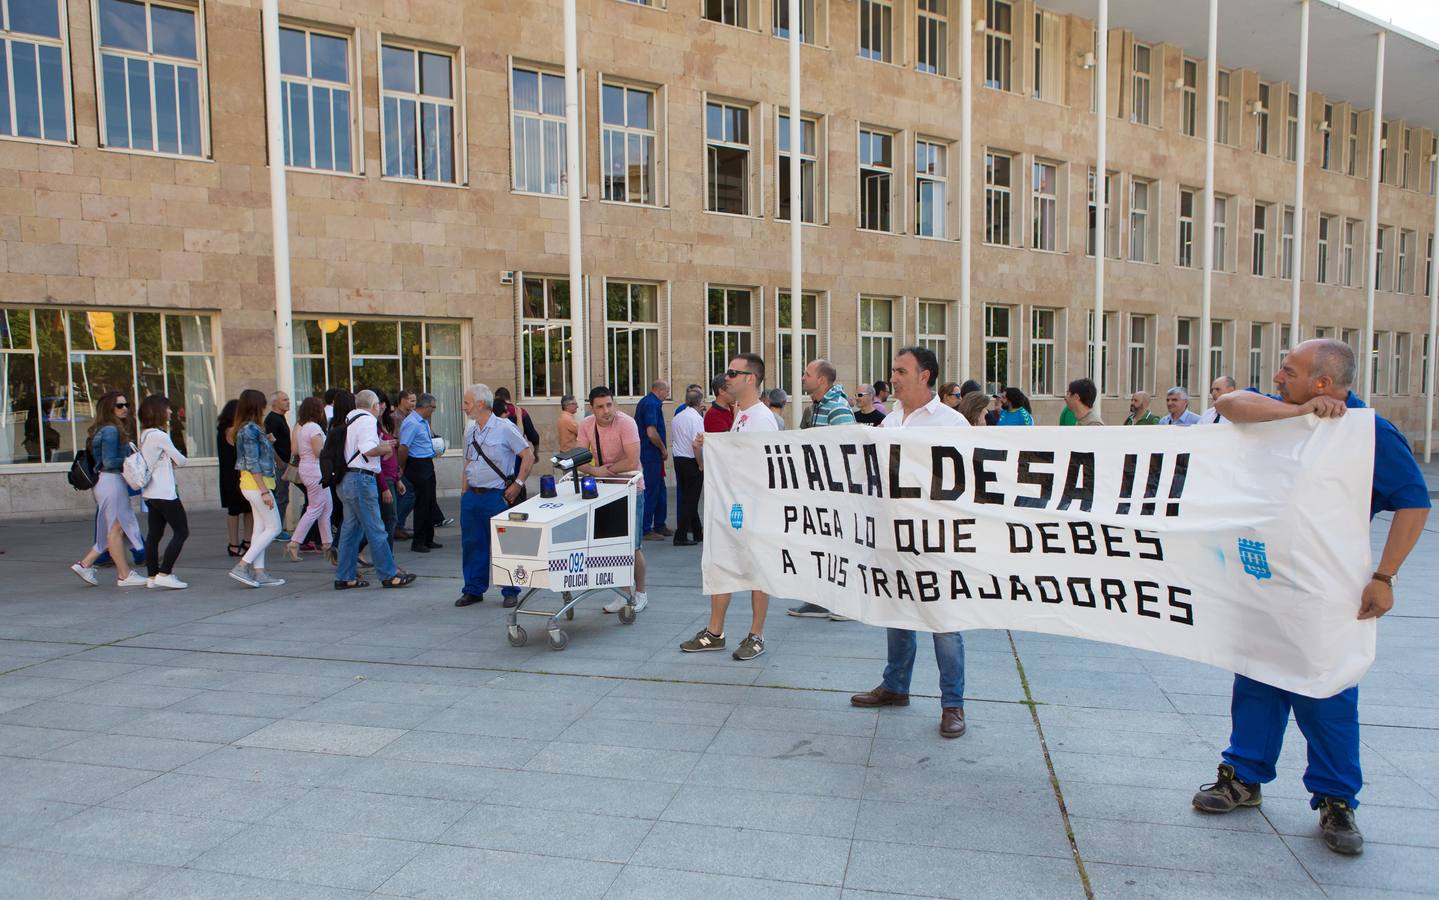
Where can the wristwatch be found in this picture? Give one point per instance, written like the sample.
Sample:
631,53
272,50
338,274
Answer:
1387,579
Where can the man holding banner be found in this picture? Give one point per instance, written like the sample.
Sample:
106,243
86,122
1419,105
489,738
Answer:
1315,378
914,375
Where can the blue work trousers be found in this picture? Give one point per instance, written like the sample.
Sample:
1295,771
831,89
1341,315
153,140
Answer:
948,652
655,512
361,497
476,510
1259,714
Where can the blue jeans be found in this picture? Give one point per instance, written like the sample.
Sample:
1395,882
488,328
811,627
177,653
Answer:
655,511
476,510
362,515
1259,714
948,651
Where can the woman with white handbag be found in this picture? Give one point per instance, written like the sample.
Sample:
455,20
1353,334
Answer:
161,494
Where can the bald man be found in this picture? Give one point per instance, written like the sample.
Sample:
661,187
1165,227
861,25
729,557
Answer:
1222,385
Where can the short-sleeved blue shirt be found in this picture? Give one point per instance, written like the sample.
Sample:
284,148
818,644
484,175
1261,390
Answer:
650,411
416,437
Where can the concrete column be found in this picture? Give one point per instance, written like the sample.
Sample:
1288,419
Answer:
1433,329
579,318
1101,113
966,179
796,220
1296,262
1366,358
279,201
1211,91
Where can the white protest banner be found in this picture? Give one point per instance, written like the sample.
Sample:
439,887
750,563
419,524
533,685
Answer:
1242,546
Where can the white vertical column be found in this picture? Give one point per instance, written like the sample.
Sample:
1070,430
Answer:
1296,262
966,178
1366,357
1101,227
796,222
1433,327
579,315
279,201
1211,91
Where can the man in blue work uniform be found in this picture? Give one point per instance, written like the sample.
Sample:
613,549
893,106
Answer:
650,417
1315,378
486,489
417,464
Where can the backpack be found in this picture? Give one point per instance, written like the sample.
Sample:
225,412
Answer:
333,464
136,470
82,475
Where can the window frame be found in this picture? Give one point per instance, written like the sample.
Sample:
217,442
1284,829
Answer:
658,329
1110,351
1039,201
894,172
727,329
937,341
564,324
1285,268
201,62
1136,353
1184,252
1044,375
1003,195
819,332
1189,97
659,132
752,203
1111,230
541,70
63,45
354,56
459,131
1259,239
1404,264
1262,118
886,12
1005,341
941,183
818,157
1185,352
870,340
1141,103
998,48
1147,220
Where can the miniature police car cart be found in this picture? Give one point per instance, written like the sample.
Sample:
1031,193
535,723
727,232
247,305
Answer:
575,539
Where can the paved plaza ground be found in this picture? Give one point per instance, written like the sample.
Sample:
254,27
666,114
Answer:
304,743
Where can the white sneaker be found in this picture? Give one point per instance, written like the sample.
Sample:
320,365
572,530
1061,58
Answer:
642,600
614,605
244,574
134,579
86,573
167,581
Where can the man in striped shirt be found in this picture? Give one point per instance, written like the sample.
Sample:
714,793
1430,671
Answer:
831,407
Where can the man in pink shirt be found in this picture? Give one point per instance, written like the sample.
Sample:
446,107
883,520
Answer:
613,439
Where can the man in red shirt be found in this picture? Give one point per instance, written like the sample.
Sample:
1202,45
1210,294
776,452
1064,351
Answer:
720,416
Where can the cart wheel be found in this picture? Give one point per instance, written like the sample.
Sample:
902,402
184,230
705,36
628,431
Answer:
559,640
627,614
570,614
517,636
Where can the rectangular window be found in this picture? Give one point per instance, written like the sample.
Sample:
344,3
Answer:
933,37
1189,99
727,158
1326,136
1258,334
151,79
1400,368
1405,278
1184,354
728,12
876,338
632,336
1351,337
1381,273
729,327
1140,191
1405,155
1261,121
1216,349
420,120
1424,372
1433,164
1384,167
931,175
1379,363
997,336
1348,261
1139,86
876,30
1185,256
1352,138
1291,128
1260,243
1111,222
628,144
1286,244
55,365
932,331
1321,271
34,69
1138,353
998,44
809,161
1045,212
876,179
784,340
1049,56
998,197
539,131
1221,108
1043,355
780,20
1221,234
545,337
1428,265
317,99
1109,353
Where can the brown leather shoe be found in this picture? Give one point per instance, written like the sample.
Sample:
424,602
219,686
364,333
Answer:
880,697
951,722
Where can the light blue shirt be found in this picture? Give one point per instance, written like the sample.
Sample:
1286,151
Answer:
416,437
502,442
1188,417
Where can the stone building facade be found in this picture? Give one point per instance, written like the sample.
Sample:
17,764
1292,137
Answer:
427,218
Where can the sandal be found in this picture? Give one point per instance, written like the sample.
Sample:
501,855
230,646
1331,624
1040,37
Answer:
292,552
399,580
350,585
332,555
235,549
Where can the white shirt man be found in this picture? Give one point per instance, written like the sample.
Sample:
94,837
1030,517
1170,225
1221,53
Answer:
1222,385
687,423
361,437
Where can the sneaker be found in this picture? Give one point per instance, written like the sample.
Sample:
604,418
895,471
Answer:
654,536
282,537
1227,793
749,648
134,579
86,573
615,605
167,581
265,579
703,641
836,617
809,611
642,600
445,523
1341,835
244,574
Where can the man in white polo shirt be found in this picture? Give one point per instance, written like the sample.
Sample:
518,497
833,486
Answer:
689,423
751,414
915,372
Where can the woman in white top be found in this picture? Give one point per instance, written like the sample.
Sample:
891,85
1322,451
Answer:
161,495
309,438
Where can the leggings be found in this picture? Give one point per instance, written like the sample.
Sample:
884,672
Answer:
317,509
162,513
267,528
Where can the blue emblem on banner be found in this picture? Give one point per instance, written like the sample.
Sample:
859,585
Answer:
736,516
1256,561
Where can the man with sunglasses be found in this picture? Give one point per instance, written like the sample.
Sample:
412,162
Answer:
742,381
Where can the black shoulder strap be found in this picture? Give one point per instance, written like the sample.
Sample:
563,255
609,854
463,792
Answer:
475,442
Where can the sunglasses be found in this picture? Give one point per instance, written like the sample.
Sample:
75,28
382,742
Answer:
122,406
735,373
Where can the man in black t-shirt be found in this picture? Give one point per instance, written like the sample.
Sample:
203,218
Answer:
278,428
868,413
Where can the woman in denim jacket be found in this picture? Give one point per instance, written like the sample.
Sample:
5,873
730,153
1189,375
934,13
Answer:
115,522
255,461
